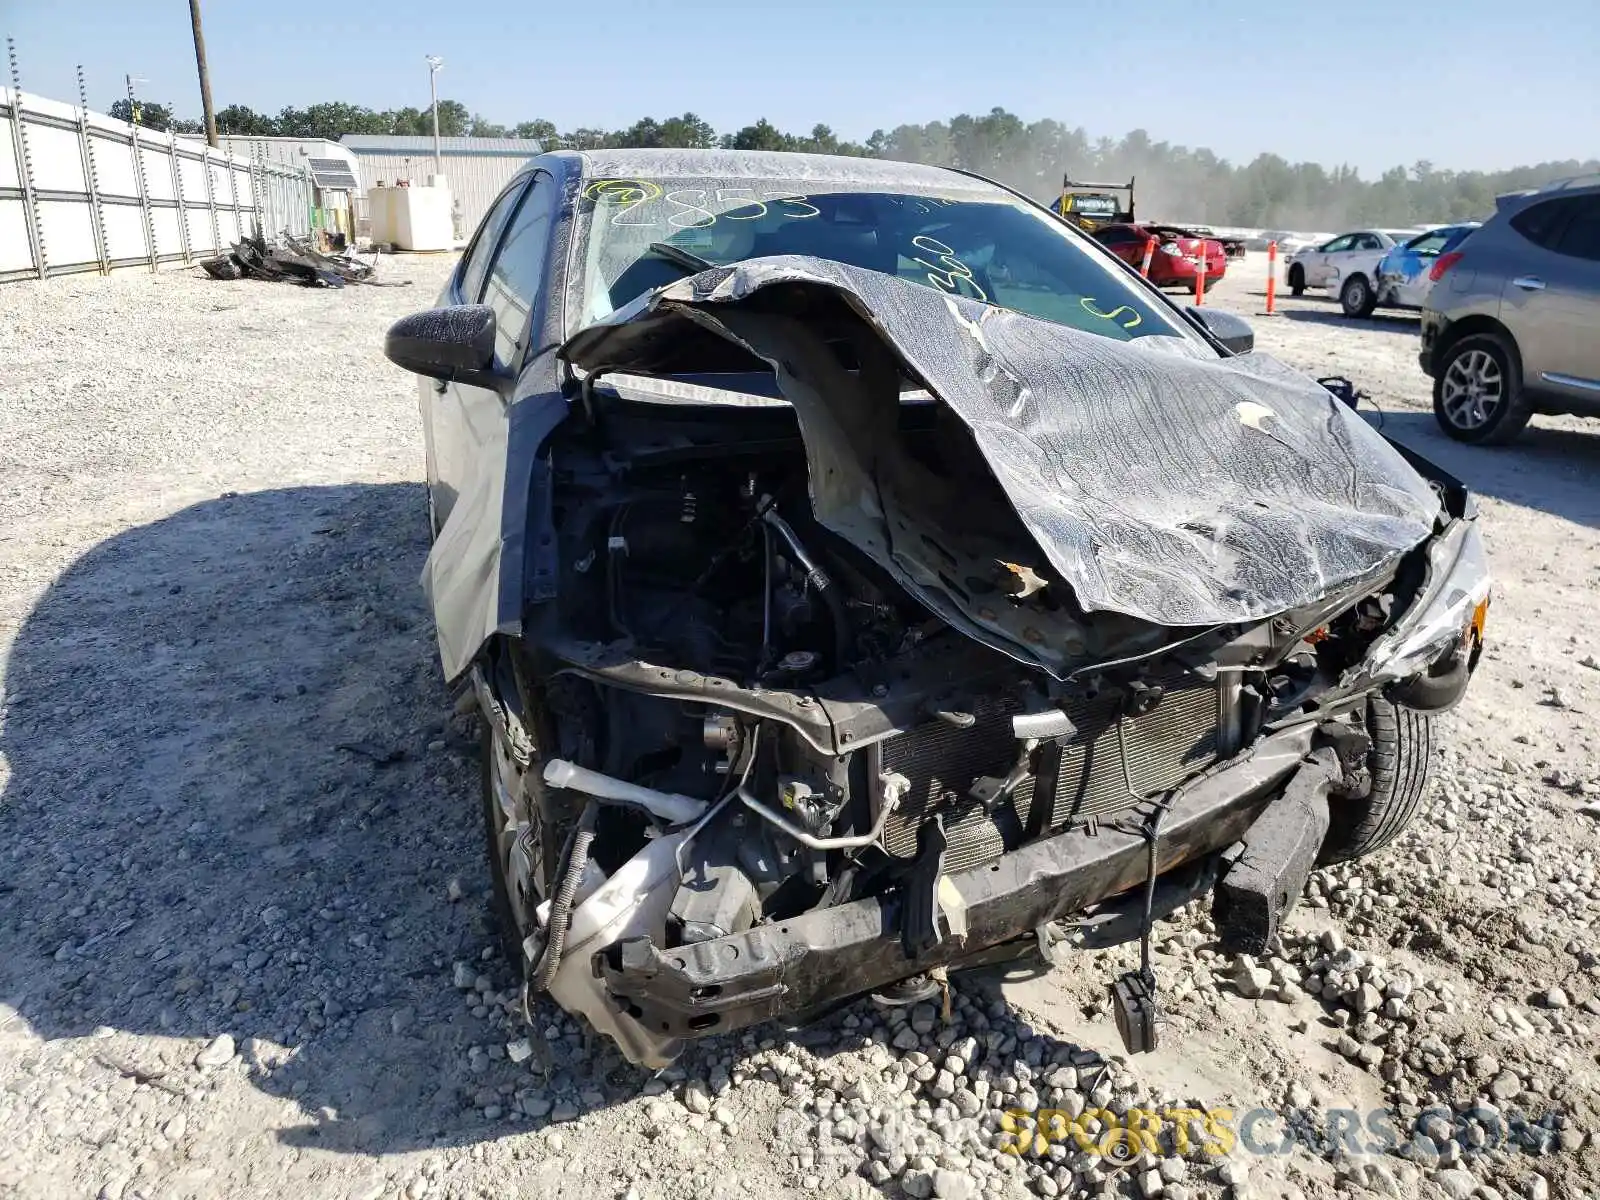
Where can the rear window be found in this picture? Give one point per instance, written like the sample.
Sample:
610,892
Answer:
1428,243
1542,223
1581,237
1117,237
1438,241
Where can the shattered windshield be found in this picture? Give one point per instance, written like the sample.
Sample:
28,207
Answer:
643,233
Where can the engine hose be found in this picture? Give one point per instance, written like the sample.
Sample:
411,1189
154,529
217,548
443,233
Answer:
821,584
544,971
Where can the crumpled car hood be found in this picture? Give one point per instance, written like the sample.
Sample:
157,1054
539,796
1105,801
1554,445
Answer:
1161,483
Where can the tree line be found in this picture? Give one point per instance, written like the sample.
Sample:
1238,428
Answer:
1176,182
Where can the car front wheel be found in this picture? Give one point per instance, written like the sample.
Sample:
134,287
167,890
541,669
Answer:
1357,298
511,825
1297,280
1399,764
1477,391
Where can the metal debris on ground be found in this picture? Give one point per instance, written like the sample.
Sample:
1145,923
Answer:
294,261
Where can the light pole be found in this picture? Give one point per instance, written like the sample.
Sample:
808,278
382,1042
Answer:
133,104
434,63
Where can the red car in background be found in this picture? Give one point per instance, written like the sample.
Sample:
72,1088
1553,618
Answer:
1177,253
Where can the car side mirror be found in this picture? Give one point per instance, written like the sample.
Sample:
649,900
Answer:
1233,332
455,344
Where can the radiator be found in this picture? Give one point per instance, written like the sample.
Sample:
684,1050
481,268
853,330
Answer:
1078,778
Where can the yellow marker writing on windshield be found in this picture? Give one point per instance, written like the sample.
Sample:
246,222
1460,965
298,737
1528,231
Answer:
628,193
1089,302
948,273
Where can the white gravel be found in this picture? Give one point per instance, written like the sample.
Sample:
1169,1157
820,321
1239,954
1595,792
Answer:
243,948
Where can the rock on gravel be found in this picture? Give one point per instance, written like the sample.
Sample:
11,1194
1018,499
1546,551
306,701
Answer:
1456,1184
952,1185
217,1053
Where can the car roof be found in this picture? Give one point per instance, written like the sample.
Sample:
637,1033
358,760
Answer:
1574,183
774,164
1521,198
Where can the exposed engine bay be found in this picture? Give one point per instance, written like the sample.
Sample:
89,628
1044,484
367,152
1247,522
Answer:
818,705
732,679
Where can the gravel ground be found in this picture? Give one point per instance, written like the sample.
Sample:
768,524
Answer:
243,939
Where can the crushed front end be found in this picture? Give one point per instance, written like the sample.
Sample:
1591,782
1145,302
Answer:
828,700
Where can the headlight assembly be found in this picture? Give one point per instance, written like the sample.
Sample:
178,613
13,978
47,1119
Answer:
1447,621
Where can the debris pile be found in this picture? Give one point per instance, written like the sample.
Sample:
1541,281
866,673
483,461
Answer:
295,261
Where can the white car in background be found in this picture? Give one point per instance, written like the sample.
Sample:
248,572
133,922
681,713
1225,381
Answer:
1318,266
1290,244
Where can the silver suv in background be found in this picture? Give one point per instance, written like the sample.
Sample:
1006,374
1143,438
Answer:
1509,328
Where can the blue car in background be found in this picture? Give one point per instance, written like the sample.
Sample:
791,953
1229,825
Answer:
1404,274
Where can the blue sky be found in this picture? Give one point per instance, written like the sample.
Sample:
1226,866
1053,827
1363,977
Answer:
1466,83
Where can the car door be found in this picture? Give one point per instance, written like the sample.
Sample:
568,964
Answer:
1551,300
1363,250
481,572
1318,263
447,444
511,287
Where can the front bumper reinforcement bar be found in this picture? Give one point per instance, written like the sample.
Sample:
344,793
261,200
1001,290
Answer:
799,968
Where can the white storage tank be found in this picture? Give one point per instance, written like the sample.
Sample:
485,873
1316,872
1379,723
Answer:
478,168
412,217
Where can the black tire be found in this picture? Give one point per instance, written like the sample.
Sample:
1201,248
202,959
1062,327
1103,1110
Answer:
1400,762
1211,282
1297,280
1491,420
494,826
1357,297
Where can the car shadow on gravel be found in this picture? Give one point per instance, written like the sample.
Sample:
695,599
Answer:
236,803
1396,323
1551,470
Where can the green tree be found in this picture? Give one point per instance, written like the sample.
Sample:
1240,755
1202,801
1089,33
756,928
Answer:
454,119
687,132
329,119
763,135
544,131
237,119
406,121
586,139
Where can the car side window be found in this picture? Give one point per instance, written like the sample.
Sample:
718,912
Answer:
1339,243
476,268
1542,223
1581,237
517,274
1118,237
1369,241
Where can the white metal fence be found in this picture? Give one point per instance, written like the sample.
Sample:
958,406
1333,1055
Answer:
80,191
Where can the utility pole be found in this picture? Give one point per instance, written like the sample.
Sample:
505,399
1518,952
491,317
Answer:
205,75
434,63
